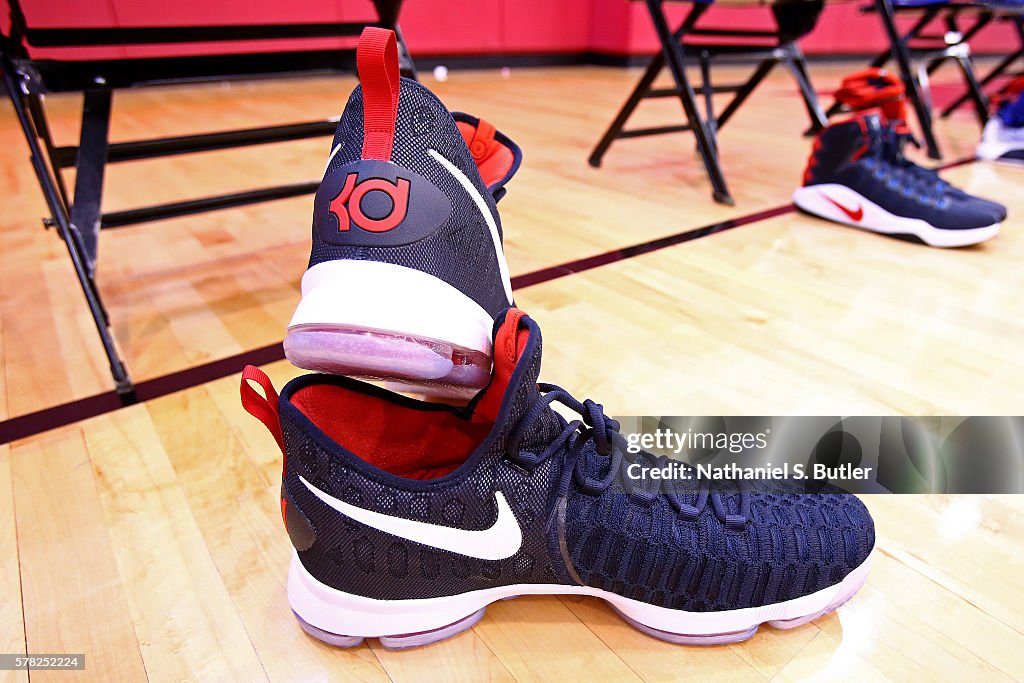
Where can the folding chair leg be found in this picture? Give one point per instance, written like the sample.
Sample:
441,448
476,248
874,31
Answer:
992,75
405,64
653,69
708,90
387,13
86,211
902,58
42,126
51,194
797,65
974,89
676,60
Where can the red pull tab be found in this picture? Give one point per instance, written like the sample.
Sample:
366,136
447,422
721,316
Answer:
377,61
264,408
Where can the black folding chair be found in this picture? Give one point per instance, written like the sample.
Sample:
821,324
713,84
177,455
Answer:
929,51
1002,68
765,49
79,218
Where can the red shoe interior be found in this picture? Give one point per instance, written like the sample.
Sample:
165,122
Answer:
411,443
415,444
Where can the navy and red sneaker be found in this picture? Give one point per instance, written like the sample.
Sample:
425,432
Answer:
408,518
407,269
851,178
875,89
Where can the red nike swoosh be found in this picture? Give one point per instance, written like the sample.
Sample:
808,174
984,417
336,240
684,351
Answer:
855,216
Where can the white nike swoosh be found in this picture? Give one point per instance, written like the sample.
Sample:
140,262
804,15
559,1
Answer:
503,538
482,206
337,148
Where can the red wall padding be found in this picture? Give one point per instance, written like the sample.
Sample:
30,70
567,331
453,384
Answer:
441,27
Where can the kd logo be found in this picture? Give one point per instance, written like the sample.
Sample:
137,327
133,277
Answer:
348,203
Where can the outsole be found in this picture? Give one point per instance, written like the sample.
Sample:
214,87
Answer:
824,201
847,589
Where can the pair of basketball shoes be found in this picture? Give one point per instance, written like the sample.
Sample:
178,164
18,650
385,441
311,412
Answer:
409,517
858,174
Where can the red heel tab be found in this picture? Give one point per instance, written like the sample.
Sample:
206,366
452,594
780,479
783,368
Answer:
480,139
264,407
496,157
377,62
509,344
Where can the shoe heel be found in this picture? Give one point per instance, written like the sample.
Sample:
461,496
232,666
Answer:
378,320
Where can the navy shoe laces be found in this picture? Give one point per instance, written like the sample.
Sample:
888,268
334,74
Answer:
603,431
887,162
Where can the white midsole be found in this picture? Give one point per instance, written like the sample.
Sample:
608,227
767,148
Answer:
353,615
994,151
814,199
390,298
998,140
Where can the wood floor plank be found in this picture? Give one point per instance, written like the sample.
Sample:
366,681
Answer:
959,551
12,622
654,660
183,614
888,632
73,593
465,658
521,632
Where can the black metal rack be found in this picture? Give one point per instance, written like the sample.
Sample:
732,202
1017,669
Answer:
79,218
765,49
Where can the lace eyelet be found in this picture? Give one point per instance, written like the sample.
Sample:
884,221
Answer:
517,466
736,522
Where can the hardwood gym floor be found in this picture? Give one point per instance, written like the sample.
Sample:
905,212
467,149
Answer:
150,537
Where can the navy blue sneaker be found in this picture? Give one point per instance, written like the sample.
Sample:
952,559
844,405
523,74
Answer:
852,179
407,269
408,518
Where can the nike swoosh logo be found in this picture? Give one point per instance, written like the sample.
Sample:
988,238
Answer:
855,216
503,539
482,206
334,152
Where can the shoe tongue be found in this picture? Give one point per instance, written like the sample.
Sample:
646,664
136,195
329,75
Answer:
872,124
496,156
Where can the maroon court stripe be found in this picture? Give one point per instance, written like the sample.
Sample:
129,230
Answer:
46,419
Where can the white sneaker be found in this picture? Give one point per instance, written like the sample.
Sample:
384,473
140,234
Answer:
1000,142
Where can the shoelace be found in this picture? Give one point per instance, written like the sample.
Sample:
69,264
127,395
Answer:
897,142
887,162
604,432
